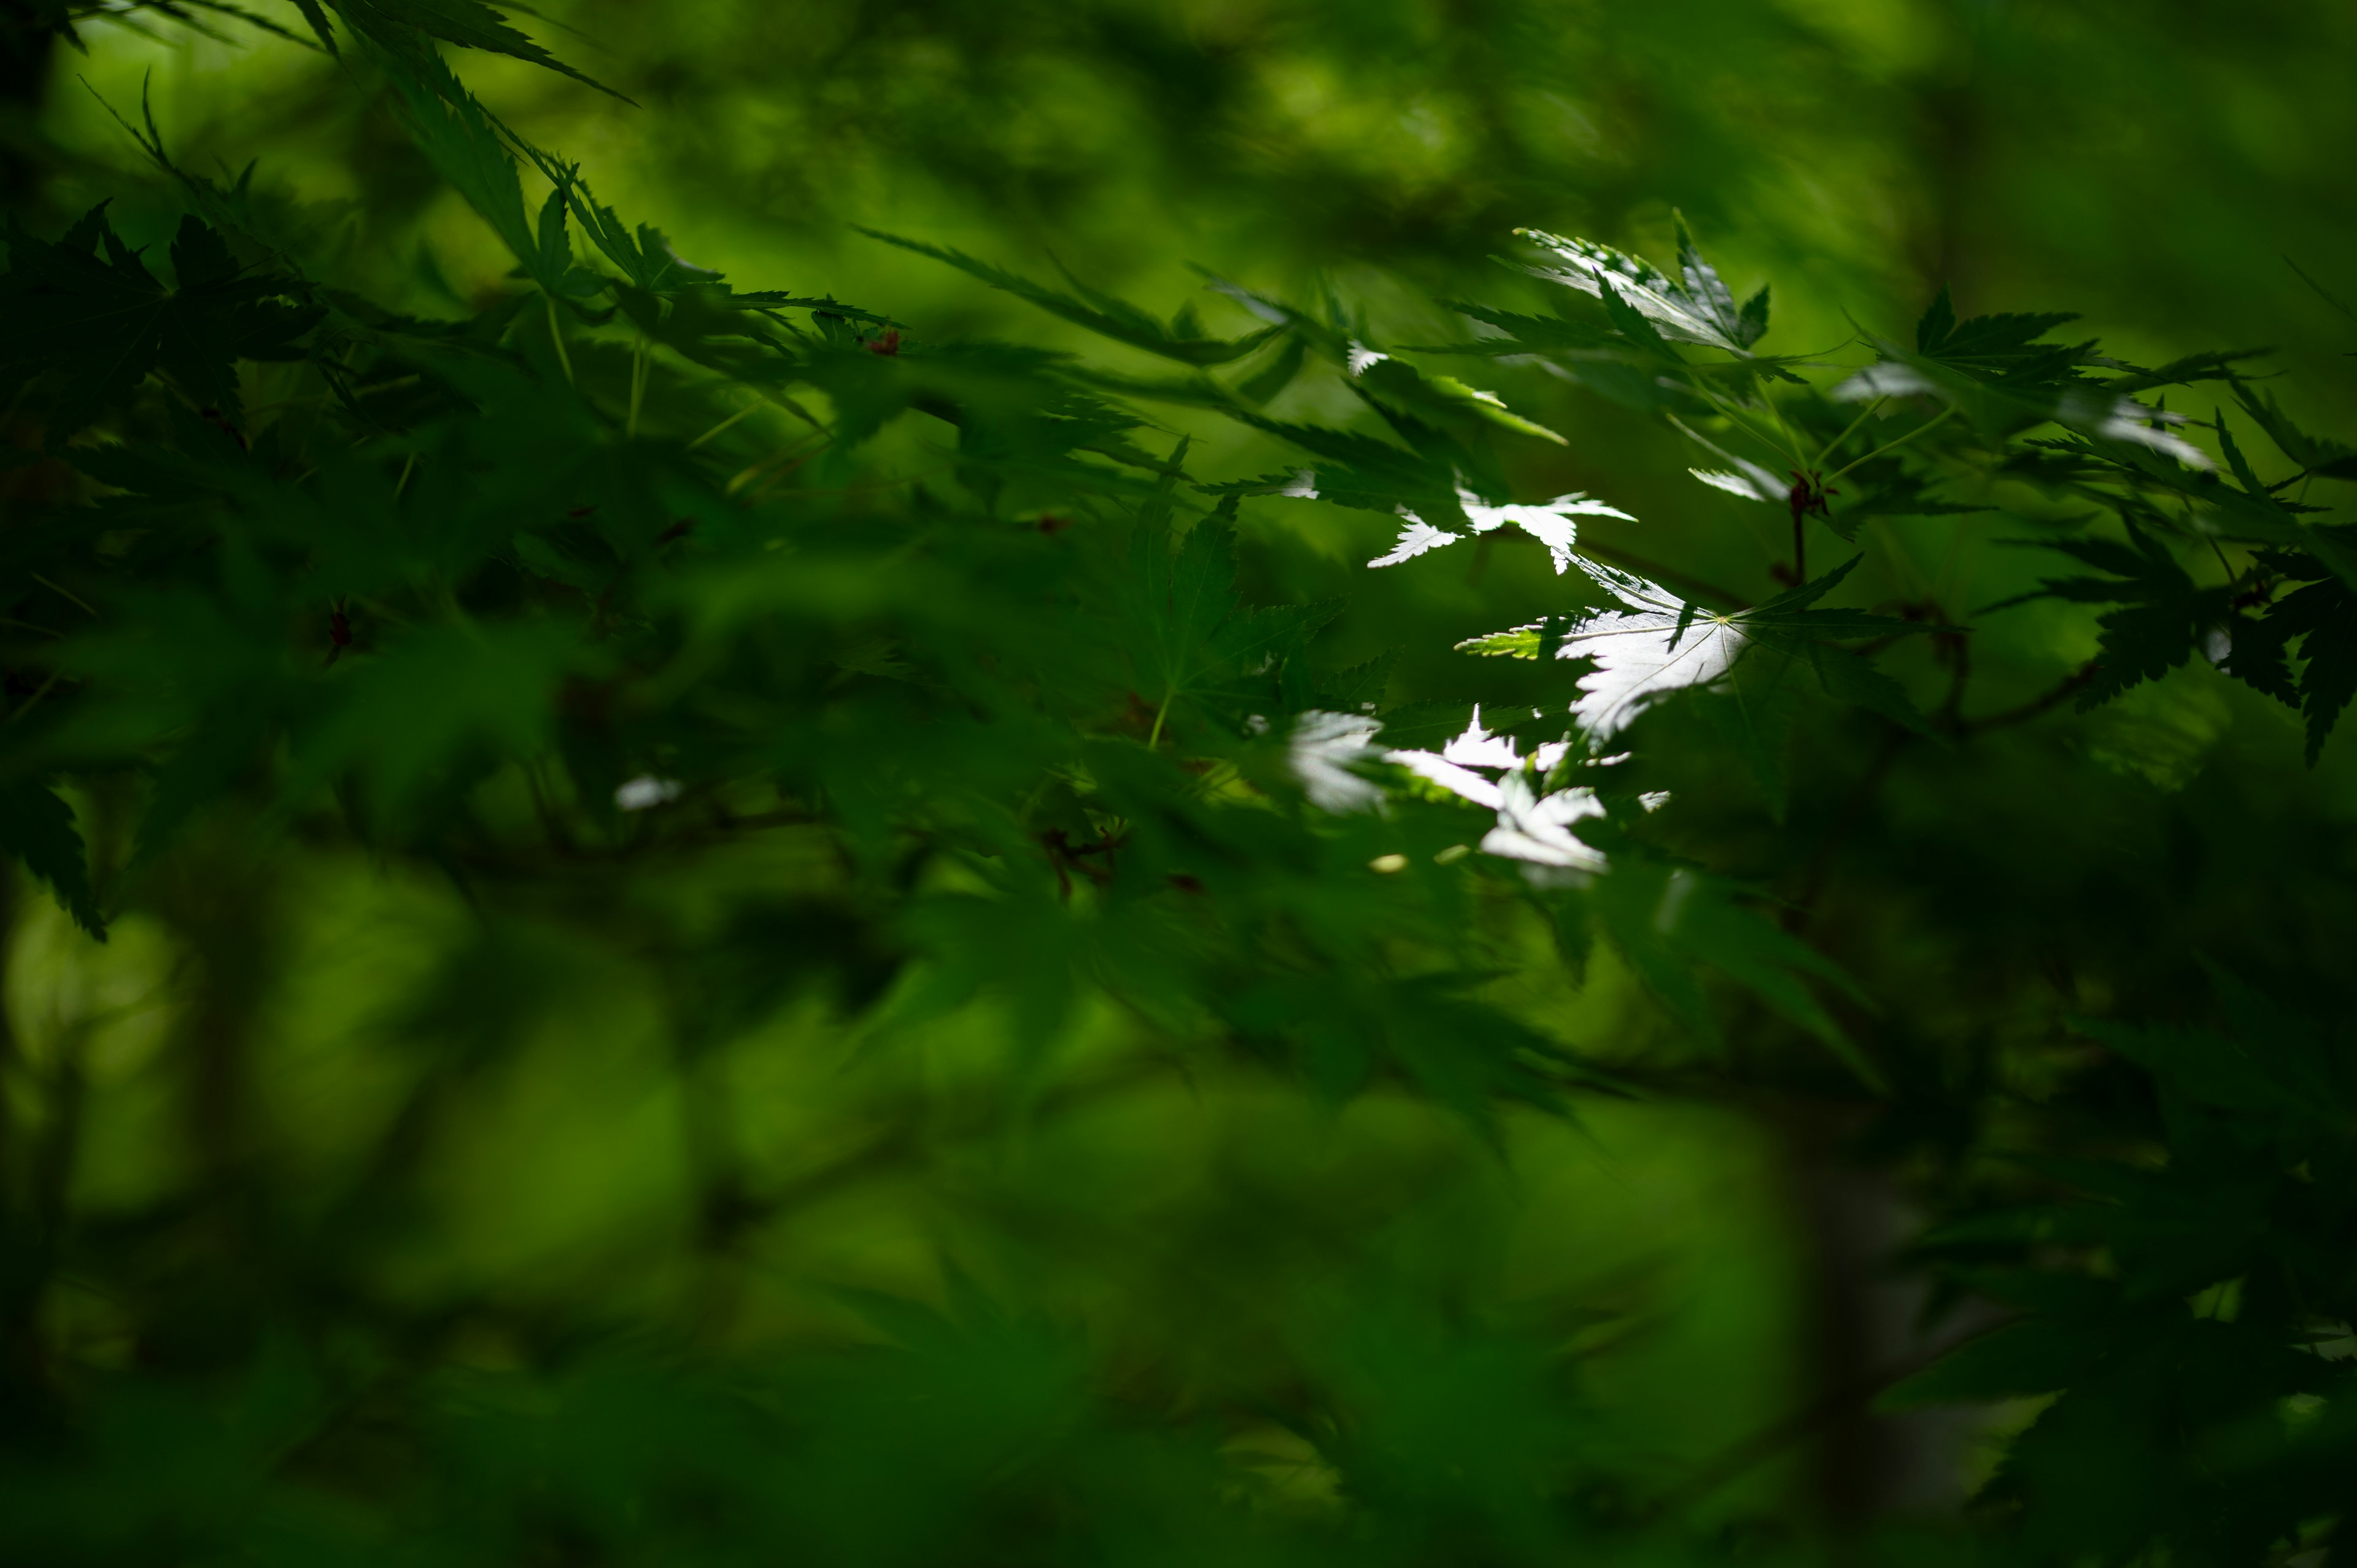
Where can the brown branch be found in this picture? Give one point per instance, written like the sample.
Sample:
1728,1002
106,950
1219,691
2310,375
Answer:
2068,686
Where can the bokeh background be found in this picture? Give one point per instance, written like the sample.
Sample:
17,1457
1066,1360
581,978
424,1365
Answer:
1726,1263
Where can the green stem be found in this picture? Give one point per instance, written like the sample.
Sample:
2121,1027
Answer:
1728,413
1791,439
723,425
1834,445
34,701
1889,446
638,362
557,335
70,597
1162,713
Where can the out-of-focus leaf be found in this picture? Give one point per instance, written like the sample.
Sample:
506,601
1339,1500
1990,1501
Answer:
38,828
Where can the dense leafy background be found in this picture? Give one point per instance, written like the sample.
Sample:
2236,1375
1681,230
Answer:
992,1109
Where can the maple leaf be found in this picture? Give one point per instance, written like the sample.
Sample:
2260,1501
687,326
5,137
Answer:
2319,456
2163,614
462,141
37,826
1657,644
2324,615
1322,750
401,29
86,307
1552,523
2006,392
1537,828
1104,313
1452,767
1188,624
1698,310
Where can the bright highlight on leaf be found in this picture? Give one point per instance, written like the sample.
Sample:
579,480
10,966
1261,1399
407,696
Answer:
1698,310
1536,829
1553,523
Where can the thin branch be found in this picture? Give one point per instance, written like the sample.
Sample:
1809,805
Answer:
2068,686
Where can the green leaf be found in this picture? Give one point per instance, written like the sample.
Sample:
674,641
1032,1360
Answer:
436,709
2324,615
644,257
1525,334
1711,296
1404,385
316,16
2005,349
1699,311
2212,366
1100,313
1847,678
1279,373
1360,687
37,826
1894,493
1666,921
1656,643
1755,720
1939,319
86,309
2200,1065
1752,319
1188,627
459,138
1514,642
402,28
2164,617
2314,455
1354,470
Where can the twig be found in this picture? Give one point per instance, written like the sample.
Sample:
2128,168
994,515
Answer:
2068,686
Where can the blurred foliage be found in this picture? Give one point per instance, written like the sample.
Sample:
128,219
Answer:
804,900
